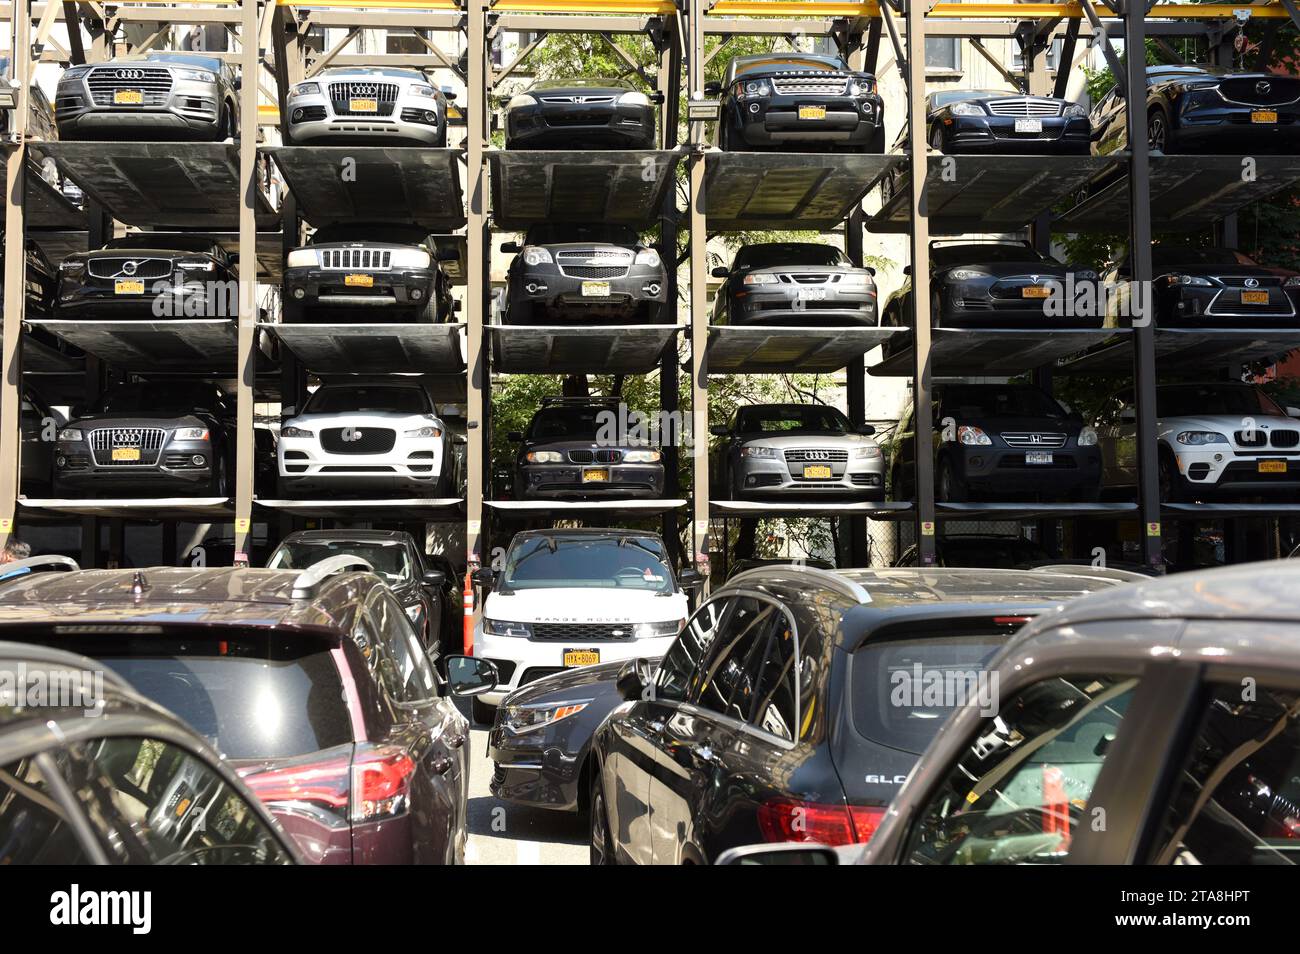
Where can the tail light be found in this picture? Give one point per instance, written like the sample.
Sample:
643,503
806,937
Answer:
381,783
792,819
338,787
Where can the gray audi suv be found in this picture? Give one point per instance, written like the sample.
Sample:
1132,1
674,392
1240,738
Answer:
372,106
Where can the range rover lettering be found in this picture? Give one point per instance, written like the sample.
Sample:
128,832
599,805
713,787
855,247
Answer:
368,106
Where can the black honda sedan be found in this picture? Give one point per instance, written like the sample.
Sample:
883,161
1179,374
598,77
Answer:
794,283
794,703
798,100
582,114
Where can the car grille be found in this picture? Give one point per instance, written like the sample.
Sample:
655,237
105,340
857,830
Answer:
364,440
1282,438
577,99
384,95
595,457
811,86
344,258
816,455
583,632
148,439
1281,90
1024,107
592,263
813,279
129,267
1033,439
154,83
1240,281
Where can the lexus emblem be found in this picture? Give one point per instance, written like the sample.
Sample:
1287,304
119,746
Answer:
1262,87
1252,282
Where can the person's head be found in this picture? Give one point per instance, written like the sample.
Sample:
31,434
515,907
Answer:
14,550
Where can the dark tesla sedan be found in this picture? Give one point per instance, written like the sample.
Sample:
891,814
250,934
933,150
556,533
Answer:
1204,109
798,100
582,114
145,276
997,284
793,705
999,440
562,456
1213,288
794,283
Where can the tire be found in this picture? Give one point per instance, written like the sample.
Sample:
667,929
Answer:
948,486
600,844
1173,486
936,138
482,712
876,144
1160,134
220,482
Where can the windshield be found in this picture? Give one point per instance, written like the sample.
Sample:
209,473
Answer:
583,83
390,558
169,242
785,419
561,233
788,61
1183,400
155,399
1172,256
949,256
986,400
569,423
776,254
556,560
343,400
394,72
361,232
965,95
197,62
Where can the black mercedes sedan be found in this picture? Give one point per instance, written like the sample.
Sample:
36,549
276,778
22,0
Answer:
1004,122
143,276
794,703
996,284
794,283
786,101
582,114
1212,288
583,448
1206,109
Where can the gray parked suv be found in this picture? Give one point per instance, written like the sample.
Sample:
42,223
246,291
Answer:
372,106
160,95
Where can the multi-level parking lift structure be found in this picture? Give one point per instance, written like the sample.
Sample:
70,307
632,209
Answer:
466,191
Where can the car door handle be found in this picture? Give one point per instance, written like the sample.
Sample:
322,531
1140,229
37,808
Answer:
440,765
455,741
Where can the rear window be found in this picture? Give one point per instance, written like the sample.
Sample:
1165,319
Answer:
903,690
251,696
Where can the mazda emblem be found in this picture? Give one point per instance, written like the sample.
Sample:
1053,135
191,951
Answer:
1262,87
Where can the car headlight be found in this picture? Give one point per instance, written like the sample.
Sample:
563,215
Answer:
754,88
1085,275
427,431
1198,438
966,109
1292,282
74,72
410,258
634,98
421,90
641,457
70,434
519,719
521,101
856,280
968,274
543,457
1087,437
1193,281
295,432
304,89
301,258
501,627
971,435
760,279
657,630
648,256
866,452
72,266
1074,111
752,450
198,76
195,265
536,255
190,434
860,87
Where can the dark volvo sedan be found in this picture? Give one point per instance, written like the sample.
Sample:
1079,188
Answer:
149,276
794,703
794,283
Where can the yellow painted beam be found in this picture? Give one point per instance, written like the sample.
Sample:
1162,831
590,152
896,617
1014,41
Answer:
643,7
450,5
795,9
808,9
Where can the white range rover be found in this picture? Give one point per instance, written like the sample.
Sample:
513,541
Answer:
567,598
365,434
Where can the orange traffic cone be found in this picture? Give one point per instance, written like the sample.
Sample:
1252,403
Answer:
469,613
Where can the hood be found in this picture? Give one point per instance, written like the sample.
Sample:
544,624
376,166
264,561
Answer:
1010,269
1226,423
1262,271
374,418
997,423
566,683
579,89
585,443
597,246
140,253
585,604
809,439
361,243
163,419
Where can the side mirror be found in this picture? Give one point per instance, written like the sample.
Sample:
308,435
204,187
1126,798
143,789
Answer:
237,83
232,258
657,98
457,305
470,675
720,430
721,272
794,853
870,271
447,255
690,578
484,576
712,88
510,246
632,679
448,93
907,269
1292,411
866,430
515,437
76,411
434,577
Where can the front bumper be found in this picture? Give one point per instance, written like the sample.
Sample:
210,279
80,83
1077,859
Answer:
776,477
412,463
553,294
190,110
1222,307
78,468
399,288
785,304
520,661
1224,471
410,119
1002,470
1229,129
996,135
161,299
566,125
541,768
993,303
566,481
848,121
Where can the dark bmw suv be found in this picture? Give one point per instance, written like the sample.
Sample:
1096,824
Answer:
1001,440
564,454
154,439
794,283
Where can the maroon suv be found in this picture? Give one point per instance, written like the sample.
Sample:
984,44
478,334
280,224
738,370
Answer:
312,684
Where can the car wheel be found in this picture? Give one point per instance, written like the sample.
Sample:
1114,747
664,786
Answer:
950,487
1173,486
483,713
936,138
887,189
876,144
1159,135
602,847
220,477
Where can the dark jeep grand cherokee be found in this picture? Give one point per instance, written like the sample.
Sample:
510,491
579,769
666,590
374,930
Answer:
585,274
779,100
563,457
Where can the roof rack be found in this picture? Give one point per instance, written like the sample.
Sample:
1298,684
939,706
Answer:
307,582
51,561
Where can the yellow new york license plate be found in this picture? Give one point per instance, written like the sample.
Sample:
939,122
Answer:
1272,467
812,112
816,470
359,281
128,286
363,105
126,453
595,475
595,289
1263,116
128,97
1035,291
1254,298
581,657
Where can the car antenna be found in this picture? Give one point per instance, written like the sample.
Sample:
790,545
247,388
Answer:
139,585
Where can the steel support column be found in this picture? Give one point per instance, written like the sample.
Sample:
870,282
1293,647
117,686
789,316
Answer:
668,82
246,360
477,277
699,273
859,546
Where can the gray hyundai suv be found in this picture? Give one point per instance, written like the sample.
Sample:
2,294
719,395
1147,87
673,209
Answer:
186,96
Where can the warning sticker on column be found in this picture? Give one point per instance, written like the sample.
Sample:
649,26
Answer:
1153,529
927,528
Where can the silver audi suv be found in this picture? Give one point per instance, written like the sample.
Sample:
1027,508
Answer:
373,106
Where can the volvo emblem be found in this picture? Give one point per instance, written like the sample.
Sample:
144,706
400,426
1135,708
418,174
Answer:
129,268
1262,87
